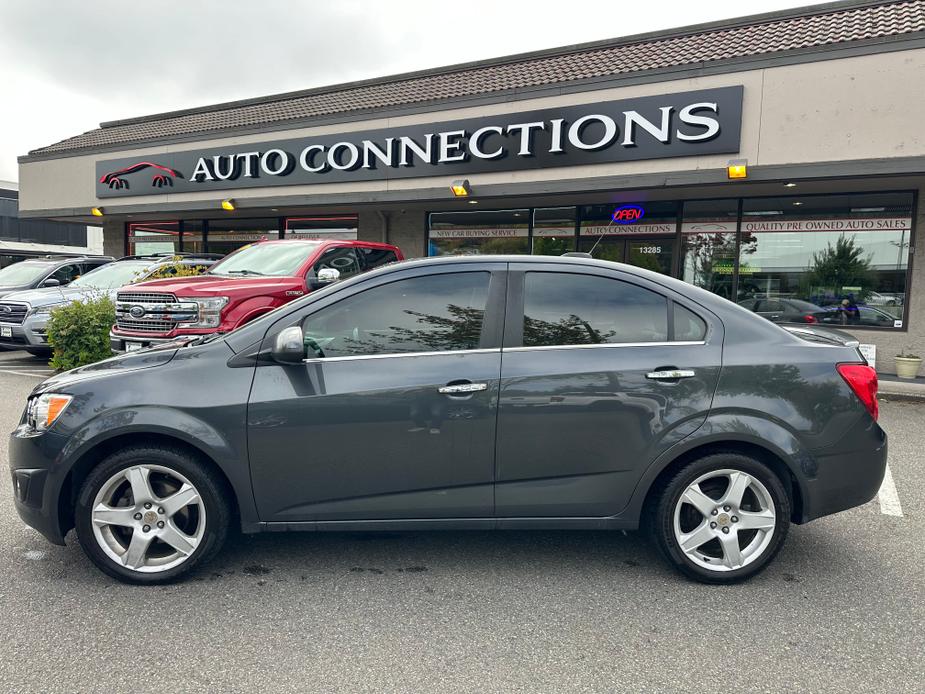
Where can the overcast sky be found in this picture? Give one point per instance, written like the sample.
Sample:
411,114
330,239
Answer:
66,66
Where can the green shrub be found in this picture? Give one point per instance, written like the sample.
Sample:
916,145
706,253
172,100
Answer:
79,332
175,269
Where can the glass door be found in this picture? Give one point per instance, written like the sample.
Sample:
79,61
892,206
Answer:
656,254
643,235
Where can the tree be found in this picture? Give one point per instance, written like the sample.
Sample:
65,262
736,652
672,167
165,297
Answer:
841,265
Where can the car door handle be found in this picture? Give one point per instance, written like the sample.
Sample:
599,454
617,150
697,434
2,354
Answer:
462,388
670,374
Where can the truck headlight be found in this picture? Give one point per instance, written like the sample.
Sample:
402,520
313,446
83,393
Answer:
210,311
44,410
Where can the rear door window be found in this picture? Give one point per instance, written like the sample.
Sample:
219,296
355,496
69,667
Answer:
374,257
688,326
576,309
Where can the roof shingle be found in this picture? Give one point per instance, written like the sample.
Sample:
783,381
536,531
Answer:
838,26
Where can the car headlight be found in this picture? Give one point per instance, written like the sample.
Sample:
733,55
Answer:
44,410
43,310
210,311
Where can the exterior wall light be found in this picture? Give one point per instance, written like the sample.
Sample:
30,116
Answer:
460,188
228,205
737,168
96,211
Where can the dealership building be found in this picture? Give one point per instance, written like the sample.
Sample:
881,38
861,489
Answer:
776,160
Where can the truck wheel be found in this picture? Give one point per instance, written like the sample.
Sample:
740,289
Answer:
722,518
149,514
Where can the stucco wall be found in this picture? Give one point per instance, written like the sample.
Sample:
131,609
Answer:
114,238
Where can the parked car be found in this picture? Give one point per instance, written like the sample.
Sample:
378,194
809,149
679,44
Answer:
246,284
47,271
885,298
855,315
24,315
783,310
478,392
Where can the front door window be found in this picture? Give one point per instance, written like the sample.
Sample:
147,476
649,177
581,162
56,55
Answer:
438,313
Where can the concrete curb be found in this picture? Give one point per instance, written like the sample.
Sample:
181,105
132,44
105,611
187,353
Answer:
914,389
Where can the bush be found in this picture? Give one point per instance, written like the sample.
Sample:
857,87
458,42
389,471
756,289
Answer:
79,332
176,269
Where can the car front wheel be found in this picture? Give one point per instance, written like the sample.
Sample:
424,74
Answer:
722,518
150,514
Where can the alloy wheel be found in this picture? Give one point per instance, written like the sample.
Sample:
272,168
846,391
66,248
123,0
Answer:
148,518
724,520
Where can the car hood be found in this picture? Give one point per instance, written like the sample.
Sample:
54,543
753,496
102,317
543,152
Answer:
4,291
49,296
146,359
211,285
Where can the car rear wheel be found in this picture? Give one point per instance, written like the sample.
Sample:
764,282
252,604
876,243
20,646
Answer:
722,518
150,514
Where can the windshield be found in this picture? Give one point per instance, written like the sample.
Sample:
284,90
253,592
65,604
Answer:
273,259
113,275
25,272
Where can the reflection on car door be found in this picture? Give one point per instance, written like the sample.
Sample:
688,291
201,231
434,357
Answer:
393,413
587,395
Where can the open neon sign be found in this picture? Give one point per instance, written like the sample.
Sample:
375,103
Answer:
628,214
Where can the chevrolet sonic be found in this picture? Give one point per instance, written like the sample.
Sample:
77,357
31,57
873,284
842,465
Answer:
477,392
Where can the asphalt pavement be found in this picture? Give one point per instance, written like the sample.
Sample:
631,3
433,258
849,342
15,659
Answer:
841,609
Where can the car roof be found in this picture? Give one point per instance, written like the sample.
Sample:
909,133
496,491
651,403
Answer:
329,242
63,260
681,287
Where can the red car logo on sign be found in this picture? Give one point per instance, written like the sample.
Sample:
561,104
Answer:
115,180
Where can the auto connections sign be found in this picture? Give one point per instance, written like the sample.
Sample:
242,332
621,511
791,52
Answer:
652,127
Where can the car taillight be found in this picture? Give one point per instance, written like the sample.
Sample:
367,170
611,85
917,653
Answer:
863,381
809,319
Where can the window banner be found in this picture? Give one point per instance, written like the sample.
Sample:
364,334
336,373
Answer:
629,229
843,224
547,232
476,233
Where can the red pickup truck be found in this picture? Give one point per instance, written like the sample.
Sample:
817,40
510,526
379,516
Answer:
245,284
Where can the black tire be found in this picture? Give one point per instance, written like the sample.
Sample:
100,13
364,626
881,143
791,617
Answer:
207,483
662,516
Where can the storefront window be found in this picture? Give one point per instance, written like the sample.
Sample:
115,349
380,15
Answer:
479,233
708,243
228,235
834,259
146,238
641,234
553,230
193,237
322,227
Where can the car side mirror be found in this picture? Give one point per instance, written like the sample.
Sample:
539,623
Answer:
51,282
326,276
289,346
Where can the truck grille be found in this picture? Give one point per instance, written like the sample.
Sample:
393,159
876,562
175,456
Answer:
146,298
153,326
152,312
11,312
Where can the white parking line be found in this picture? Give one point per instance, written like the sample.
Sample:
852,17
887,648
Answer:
26,373
888,496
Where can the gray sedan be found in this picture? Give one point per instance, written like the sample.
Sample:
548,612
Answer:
483,392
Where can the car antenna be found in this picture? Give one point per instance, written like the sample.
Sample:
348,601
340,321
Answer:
599,238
